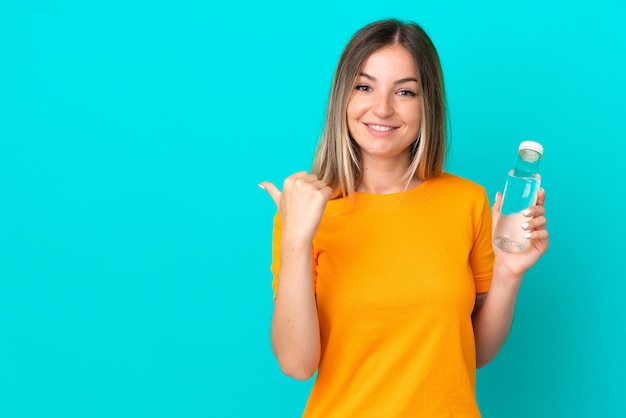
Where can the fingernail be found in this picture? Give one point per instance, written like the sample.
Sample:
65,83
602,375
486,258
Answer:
525,225
261,186
528,235
526,212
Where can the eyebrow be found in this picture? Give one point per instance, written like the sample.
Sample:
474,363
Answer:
402,80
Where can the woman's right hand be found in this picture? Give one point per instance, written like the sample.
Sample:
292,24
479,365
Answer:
300,204
295,332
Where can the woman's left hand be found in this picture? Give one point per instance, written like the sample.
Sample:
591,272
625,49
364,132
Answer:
518,263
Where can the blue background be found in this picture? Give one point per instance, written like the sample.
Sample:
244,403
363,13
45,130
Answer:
135,243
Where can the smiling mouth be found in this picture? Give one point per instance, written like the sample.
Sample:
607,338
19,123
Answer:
381,128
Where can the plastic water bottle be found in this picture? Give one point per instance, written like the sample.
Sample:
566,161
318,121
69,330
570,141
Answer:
520,192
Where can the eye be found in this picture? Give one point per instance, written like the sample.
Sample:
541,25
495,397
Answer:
407,92
362,87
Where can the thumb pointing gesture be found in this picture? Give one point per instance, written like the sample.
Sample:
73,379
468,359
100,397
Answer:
273,192
301,203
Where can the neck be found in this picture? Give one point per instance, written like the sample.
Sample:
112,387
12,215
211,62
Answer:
385,177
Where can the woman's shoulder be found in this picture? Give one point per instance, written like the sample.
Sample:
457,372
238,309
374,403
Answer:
458,184
458,180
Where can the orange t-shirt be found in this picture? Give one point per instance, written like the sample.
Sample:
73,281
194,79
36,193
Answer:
396,278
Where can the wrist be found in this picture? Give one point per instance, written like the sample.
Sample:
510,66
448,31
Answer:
503,273
292,244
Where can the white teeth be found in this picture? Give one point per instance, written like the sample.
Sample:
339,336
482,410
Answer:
381,128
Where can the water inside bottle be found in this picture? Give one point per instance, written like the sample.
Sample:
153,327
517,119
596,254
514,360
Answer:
519,194
509,235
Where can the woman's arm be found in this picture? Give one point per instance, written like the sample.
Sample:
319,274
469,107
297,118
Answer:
295,330
492,321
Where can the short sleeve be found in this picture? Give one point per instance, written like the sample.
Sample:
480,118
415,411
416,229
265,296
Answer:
275,266
276,251
481,256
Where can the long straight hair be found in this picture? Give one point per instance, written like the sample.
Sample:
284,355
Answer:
337,160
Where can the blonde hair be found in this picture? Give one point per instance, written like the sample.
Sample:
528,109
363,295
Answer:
337,159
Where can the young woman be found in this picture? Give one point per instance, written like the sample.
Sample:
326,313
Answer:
385,278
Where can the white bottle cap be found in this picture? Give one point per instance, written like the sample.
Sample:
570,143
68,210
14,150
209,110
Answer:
532,145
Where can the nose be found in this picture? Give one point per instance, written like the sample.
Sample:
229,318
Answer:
383,107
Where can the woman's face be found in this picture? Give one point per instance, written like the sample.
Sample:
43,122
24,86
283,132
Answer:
385,109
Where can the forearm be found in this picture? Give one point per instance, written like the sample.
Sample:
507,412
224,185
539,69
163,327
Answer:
492,321
295,327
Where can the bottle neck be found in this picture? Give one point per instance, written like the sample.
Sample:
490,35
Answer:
527,162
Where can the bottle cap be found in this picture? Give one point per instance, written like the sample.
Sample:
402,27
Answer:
532,145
